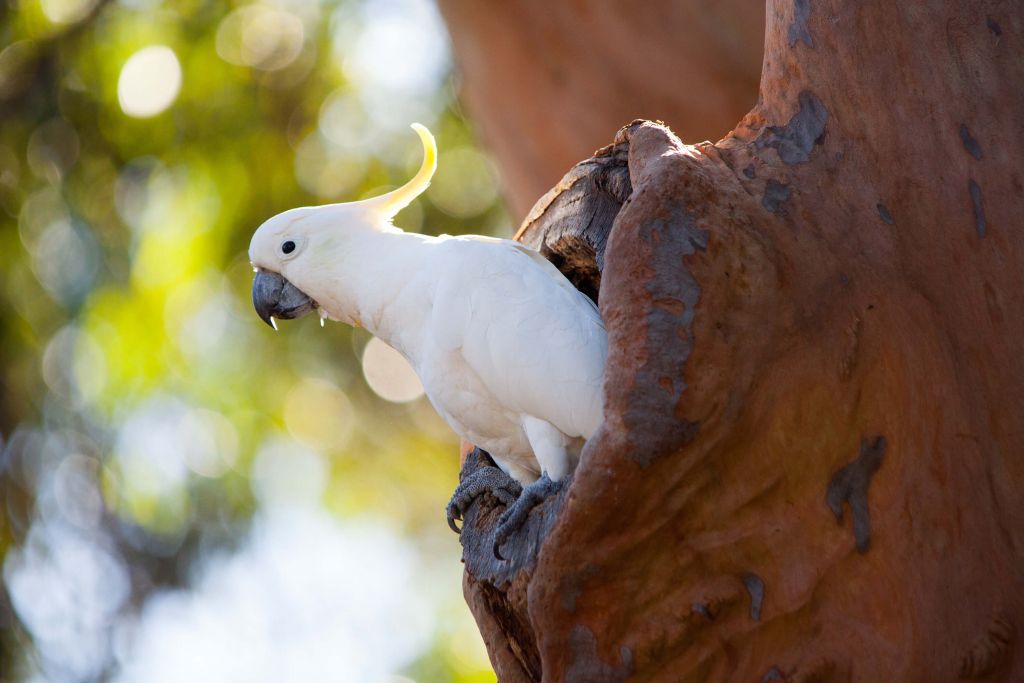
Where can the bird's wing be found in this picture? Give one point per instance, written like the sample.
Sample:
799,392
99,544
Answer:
535,341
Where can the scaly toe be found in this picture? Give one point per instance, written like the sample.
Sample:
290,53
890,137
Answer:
515,516
476,483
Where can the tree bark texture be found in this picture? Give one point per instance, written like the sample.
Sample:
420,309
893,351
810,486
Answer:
812,461
548,82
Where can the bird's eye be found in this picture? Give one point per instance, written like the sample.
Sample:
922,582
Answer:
288,247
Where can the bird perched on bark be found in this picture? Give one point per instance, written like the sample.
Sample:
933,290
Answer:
509,353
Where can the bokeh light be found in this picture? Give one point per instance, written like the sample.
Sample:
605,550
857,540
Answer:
260,36
401,47
305,599
66,11
318,414
74,366
67,589
184,494
466,183
149,81
52,149
17,65
389,374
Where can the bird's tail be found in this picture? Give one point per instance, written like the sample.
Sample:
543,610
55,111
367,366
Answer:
387,205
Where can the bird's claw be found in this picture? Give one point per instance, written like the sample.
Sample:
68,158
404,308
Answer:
485,479
514,516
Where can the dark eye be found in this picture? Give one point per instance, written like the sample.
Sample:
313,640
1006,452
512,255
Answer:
288,247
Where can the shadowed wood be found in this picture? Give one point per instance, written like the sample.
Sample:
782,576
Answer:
570,224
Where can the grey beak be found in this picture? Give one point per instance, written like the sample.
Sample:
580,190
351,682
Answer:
274,296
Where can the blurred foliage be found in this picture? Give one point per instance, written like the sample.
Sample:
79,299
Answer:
145,407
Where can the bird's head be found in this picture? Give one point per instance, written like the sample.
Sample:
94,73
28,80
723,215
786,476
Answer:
292,253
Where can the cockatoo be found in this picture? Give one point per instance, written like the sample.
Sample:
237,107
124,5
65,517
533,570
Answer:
509,353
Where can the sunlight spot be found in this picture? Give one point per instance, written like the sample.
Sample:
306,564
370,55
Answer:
402,47
66,11
213,442
389,374
343,121
149,81
260,36
318,414
395,53
65,260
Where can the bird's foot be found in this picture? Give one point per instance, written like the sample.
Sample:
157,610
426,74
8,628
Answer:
515,515
483,479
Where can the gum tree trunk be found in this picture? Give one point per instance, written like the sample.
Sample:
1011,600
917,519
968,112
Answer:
549,82
812,461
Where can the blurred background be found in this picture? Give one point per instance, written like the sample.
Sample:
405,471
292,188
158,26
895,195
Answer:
184,494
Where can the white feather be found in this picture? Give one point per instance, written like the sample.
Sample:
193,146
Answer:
509,352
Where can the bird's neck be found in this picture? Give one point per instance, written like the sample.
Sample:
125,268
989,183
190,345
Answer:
382,282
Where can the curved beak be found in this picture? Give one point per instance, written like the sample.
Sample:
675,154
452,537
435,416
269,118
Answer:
275,297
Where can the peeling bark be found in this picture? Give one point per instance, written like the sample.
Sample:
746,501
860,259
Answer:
820,312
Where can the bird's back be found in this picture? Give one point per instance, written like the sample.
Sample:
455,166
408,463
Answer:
534,341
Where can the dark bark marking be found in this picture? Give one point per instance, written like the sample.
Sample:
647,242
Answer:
995,309
654,428
748,171
850,485
990,650
773,674
993,26
979,211
970,144
884,214
755,586
795,140
587,667
702,609
798,29
775,193
572,586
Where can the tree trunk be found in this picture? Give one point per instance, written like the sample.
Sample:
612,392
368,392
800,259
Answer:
549,82
812,461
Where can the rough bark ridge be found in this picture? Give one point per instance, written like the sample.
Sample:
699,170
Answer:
812,461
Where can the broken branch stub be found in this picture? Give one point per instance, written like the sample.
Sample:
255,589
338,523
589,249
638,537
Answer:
570,224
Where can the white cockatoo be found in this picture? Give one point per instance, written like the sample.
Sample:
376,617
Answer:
509,353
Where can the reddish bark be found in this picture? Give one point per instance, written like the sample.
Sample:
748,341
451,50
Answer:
819,318
549,82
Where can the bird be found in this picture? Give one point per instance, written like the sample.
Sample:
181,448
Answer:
510,354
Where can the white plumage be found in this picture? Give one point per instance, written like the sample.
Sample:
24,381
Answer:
509,352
